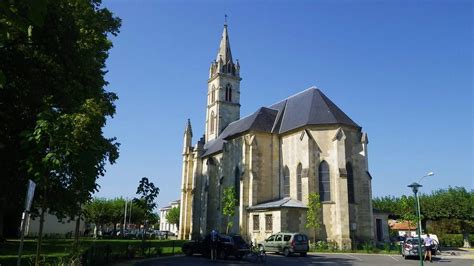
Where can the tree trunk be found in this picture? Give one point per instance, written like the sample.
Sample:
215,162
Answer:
465,236
2,215
40,235
76,233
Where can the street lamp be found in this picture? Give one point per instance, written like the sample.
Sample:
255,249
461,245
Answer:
418,201
415,187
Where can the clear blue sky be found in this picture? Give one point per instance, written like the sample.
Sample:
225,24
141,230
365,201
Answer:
401,69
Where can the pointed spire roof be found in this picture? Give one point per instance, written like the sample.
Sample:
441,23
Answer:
224,52
188,129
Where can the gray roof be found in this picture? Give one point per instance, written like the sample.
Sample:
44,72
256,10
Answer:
262,121
281,203
309,107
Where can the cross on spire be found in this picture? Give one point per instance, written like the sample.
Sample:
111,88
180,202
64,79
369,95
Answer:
225,20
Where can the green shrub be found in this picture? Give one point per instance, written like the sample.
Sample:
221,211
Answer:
368,247
452,240
319,246
332,245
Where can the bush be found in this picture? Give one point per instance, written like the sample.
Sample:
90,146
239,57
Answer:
452,240
368,247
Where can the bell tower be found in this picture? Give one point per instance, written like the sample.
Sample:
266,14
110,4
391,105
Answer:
223,90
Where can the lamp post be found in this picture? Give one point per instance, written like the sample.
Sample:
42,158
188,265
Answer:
418,202
415,187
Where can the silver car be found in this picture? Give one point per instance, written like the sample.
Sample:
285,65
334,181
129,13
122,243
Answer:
286,243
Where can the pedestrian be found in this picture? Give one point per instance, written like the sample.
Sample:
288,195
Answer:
214,242
428,242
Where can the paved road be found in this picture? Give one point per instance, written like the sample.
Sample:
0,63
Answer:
312,259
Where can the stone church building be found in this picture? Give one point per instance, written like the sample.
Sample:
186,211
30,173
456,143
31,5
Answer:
274,158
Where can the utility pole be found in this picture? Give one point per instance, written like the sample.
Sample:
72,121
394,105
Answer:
125,218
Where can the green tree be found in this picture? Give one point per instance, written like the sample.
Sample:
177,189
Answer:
173,216
229,202
53,101
148,193
455,204
313,216
98,211
452,210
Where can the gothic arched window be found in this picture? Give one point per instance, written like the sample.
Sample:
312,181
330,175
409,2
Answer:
228,93
350,183
324,182
299,186
212,122
286,182
213,94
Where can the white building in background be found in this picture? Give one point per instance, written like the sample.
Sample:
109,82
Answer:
53,227
164,225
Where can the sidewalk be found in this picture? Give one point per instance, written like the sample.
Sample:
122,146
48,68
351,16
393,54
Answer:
458,253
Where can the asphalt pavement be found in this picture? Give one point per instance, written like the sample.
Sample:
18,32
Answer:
355,259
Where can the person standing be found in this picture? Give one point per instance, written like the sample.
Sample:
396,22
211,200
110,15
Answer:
214,239
428,242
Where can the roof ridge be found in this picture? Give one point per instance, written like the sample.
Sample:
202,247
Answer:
293,95
324,97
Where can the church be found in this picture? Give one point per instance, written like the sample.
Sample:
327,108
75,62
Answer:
274,158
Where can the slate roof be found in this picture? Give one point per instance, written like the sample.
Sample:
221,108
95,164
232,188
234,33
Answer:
262,121
281,203
309,107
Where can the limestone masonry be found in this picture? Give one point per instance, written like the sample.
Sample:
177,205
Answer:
274,158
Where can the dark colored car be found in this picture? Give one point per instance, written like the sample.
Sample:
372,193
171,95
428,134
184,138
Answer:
239,247
227,246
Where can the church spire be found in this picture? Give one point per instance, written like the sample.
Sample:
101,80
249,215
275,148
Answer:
223,92
224,62
188,137
224,52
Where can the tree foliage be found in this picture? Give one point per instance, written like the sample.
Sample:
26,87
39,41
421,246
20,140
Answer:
173,216
453,204
148,193
229,203
313,216
53,102
103,211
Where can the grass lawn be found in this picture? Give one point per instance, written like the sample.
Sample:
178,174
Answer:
54,250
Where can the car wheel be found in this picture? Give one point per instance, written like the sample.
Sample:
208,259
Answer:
303,254
286,252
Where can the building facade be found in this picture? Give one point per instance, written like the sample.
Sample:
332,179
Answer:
164,224
274,158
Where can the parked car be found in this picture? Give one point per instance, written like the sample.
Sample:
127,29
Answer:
227,246
239,247
286,243
410,248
